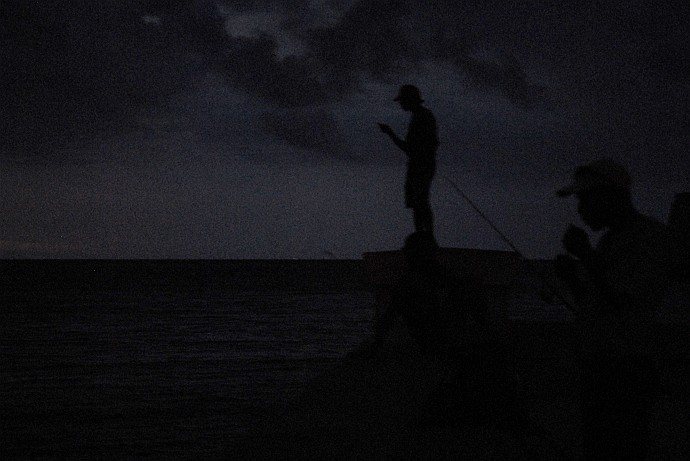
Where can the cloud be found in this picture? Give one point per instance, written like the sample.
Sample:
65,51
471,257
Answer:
72,69
312,129
380,40
252,65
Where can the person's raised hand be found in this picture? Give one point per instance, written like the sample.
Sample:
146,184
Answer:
385,128
576,242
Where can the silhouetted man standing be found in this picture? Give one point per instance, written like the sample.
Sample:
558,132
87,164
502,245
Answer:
618,286
420,146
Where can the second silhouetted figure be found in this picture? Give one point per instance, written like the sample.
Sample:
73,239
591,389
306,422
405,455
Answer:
420,146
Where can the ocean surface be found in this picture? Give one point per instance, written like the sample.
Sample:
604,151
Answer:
166,359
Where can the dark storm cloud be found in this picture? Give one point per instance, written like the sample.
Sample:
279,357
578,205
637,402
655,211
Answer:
251,65
375,40
312,129
383,38
73,68
654,38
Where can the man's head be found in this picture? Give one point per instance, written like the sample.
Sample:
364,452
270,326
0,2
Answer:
409,97
603,192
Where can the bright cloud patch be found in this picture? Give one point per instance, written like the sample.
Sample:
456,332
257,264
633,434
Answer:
254,25
151,19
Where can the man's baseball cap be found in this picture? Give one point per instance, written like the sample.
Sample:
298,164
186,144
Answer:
409,93
604,173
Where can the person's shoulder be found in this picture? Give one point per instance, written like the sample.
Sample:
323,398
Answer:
641,231
650,236
647,225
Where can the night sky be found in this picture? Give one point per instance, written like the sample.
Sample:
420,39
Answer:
247,129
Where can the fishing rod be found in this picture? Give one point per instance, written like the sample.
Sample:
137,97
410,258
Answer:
557,292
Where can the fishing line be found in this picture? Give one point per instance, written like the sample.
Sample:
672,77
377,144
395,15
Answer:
486,218
530,264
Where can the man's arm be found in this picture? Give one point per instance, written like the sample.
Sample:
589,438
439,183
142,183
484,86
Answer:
402,145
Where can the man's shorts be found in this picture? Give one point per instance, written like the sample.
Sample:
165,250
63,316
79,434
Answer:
417,185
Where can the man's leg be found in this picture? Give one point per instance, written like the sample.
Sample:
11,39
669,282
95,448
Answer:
423,218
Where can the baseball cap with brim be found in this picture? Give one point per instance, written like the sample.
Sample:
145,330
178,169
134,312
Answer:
600,174
409,93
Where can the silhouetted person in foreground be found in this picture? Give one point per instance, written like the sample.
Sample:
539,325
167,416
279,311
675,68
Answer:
420,146
618,286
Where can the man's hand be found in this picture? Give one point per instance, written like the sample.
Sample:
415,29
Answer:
402,145
576,242
386,129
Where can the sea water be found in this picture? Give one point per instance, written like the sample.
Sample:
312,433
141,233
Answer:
171,359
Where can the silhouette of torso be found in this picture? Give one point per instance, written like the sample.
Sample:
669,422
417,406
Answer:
422,139
635,264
